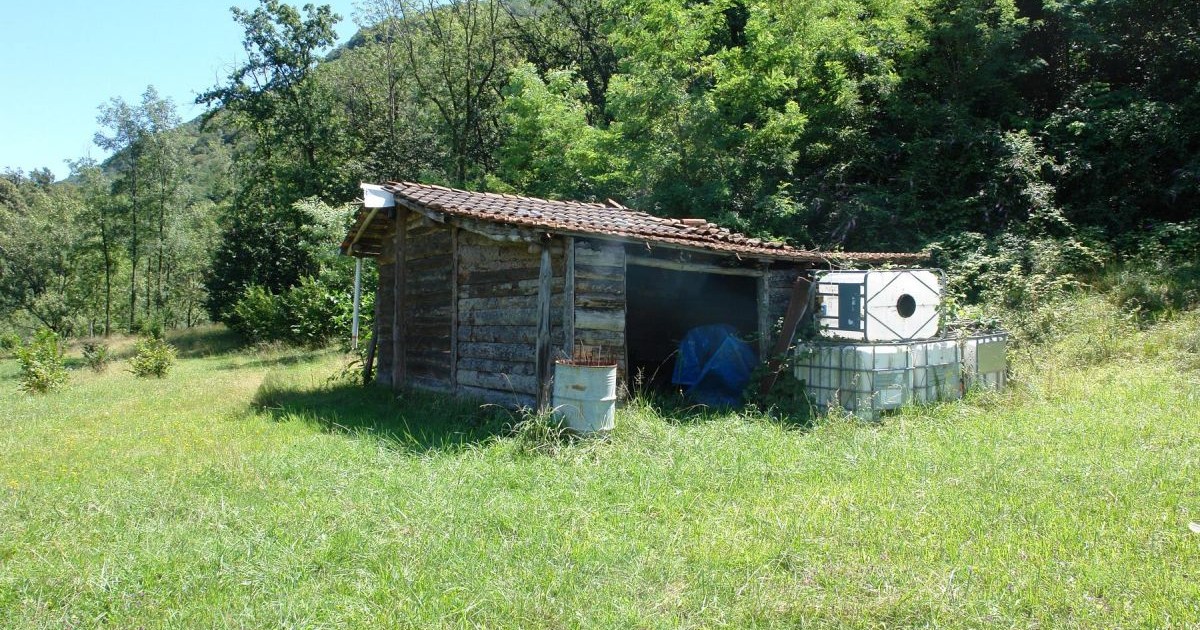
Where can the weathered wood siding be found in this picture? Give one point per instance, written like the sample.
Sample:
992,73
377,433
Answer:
471,310
385,299
780,292
428,297
599,294
498,317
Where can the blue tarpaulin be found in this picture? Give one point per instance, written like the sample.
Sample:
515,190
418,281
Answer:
714,365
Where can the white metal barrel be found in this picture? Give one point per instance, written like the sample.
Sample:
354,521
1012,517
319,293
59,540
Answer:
585,396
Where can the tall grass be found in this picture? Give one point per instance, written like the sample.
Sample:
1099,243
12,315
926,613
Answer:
247,489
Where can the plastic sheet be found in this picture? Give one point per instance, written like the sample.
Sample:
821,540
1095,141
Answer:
714,365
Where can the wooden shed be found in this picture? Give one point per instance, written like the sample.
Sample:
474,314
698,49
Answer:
479,293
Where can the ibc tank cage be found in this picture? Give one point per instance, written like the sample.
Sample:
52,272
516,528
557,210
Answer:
869,378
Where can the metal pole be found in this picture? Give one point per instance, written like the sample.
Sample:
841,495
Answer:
357,301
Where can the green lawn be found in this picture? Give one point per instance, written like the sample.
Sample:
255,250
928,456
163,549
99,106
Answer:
248,490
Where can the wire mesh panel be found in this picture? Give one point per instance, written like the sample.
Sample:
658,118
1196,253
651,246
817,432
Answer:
867,379
985,361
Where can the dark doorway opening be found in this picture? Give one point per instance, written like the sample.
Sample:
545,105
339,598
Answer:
662,305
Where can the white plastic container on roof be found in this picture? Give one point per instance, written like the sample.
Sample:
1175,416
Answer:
894,305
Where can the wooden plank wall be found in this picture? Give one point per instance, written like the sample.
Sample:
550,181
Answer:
600,298
498,317
385,298
428,294
780,281
471,319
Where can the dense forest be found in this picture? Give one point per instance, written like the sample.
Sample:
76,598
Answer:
1026,143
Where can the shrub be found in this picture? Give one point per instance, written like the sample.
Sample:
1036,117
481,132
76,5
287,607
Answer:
1016,271
308,314
149,328
96,355
9,342
42,366
314,310
259,315
154,357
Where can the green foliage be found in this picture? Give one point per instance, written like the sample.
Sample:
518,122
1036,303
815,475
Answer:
310,314
46,273
97,355
1016,271
317,312
1027,142
153,358
298,136
788,399
258,315
550,149
272,249
42,363
9,342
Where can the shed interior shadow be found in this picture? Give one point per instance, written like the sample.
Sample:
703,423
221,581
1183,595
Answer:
662,305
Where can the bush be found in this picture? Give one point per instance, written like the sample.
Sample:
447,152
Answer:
96,356
154,357
1016,271
308,314
42,366
149,328
315,311
9,342
259,315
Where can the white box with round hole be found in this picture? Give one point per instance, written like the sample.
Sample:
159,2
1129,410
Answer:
889,305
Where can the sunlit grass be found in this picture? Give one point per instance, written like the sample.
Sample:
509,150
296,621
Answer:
247,489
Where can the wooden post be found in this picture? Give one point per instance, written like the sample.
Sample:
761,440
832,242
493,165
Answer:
398,300
369,363
542,366
797,310
454,309
764,313
569,297
357,302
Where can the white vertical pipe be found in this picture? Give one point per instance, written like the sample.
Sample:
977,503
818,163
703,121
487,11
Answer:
357,301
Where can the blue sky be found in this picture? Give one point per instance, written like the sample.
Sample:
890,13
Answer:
62,59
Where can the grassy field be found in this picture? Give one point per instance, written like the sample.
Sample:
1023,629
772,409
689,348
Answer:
247,489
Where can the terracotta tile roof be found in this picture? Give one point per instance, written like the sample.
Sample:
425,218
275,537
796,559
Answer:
598,220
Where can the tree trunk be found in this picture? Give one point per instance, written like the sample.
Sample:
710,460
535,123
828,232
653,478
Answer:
133,246
104,244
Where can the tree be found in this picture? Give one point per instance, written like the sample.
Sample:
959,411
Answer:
127,126
95,188
297,131
395,133
43,271
557,35
298,149
456,55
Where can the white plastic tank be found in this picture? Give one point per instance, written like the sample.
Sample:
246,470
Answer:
861,378
893,305
585,396
869,378
937,370
985,360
